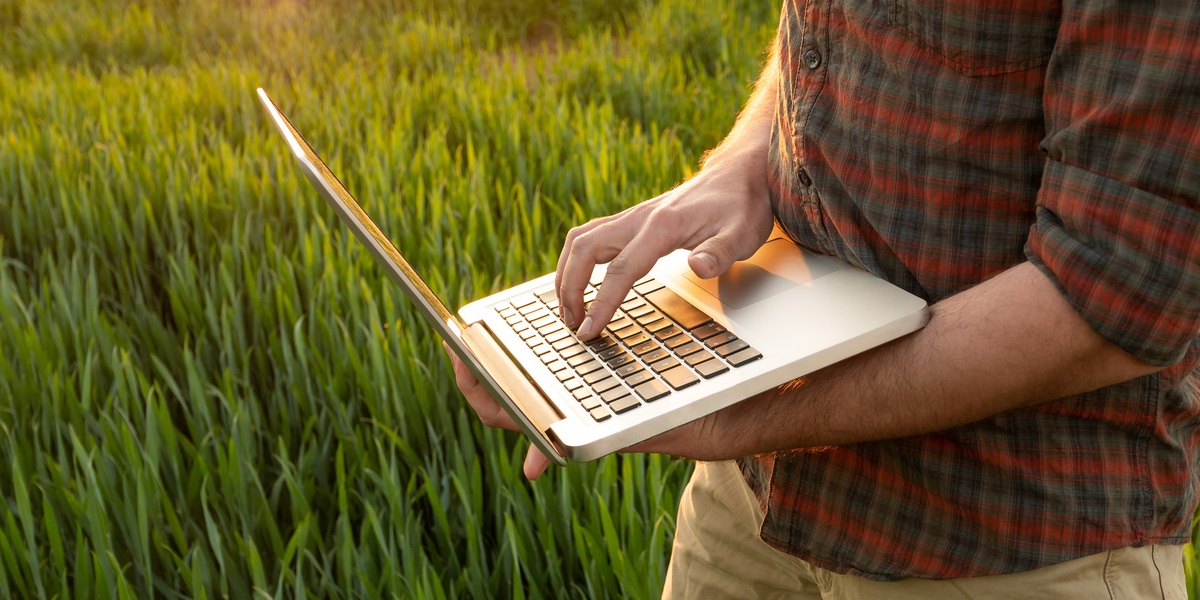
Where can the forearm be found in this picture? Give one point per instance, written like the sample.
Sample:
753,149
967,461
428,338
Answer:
1008,343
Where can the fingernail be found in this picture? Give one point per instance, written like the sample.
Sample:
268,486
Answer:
585,330
708,260
566,315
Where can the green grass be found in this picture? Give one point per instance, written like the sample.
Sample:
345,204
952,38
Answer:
207,387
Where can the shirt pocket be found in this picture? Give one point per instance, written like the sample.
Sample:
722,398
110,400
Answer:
977,37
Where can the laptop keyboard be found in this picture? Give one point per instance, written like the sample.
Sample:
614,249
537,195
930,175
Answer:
657,343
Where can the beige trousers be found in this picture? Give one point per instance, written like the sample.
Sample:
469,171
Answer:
718,554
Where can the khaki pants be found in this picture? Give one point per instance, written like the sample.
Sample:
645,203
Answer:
718,554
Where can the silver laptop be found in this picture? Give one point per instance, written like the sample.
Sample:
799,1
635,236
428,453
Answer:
680,347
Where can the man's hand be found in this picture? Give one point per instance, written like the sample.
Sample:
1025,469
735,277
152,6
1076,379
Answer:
491,414
723,214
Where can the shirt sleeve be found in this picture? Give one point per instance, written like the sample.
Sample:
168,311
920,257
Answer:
1117,212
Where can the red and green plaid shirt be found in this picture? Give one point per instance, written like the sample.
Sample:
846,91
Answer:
937,143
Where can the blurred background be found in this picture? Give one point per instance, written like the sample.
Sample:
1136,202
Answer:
208,388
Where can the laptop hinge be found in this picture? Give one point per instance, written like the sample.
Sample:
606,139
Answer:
522,400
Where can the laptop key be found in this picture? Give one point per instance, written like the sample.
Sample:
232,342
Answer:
545,294
573,385
652,390
595,376
677,341
634,340
688,316
588,367
694,358
627,332
564,375
666,333
563,344
645,347
651,317
611,353
556,366
614,394
632,303
620,361
711,368
601,342
679,377
572,351
639,312
540,349
605,384
639,377
578,359
706,331
551,328
630,369
513,320
529,335
688,348
582,394
744,356
555,336
647,286
599,413
523,300
625,404
664,364
659,325
720,339
731,347
541,322
618,324
655,355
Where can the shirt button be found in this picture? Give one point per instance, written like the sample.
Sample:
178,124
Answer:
812,58
805,180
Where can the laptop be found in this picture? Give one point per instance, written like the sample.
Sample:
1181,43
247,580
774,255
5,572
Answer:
679,348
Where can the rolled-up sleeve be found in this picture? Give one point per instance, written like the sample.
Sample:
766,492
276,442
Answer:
1117,213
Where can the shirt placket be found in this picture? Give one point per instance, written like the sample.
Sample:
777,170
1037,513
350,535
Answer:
809,79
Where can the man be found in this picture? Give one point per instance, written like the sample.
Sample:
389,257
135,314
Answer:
1032,169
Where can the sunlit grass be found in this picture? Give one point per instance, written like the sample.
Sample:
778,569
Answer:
208,389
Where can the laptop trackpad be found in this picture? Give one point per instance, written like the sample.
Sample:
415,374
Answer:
778,266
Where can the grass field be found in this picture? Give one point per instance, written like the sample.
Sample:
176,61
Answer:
208,389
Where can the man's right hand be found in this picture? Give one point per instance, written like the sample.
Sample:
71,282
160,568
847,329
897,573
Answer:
723,215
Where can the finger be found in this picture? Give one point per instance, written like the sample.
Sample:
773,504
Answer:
716,254
630,265
536,463
599,245
571,312
485,406
571,235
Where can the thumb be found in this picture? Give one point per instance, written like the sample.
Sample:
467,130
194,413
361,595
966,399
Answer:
535,463
714,256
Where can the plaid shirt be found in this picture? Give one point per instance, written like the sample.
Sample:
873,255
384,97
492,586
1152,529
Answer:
938,143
